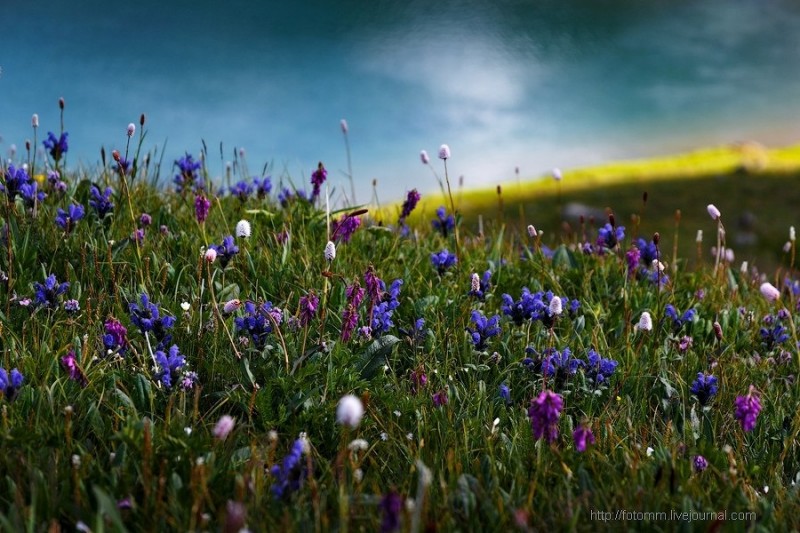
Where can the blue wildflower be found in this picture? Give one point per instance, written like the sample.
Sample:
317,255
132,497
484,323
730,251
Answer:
242,190
263,186
505,393
560,364
101,203
56,146
170,365
10,384
47,294
772,336
147,317
256,323
484,329
187,178
15,178
444,223
443,260
289,475
704,387
383,311
648,252
679,321
66,219
599,369
226,250
31,194
609,236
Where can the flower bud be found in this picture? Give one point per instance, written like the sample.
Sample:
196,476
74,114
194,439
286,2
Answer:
61,103
444,152
557,174
713,211
343,125
330,251
423,155
35,120
769,291
131,129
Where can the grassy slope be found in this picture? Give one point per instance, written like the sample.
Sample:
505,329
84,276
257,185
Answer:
737,179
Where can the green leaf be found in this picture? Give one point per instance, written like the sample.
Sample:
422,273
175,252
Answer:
375,355
564,258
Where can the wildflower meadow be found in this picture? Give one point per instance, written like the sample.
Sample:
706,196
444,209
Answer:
191,353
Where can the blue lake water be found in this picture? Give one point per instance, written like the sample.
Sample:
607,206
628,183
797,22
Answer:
528,84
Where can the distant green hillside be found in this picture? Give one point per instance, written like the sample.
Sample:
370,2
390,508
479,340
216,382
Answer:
756,189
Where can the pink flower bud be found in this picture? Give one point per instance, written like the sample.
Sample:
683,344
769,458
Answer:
713,211
211,255
769,291
444,152
131,129
423,155
223,427
343,125
557,174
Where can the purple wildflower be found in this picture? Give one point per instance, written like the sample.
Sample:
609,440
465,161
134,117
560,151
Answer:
317,179
202,206
408,206
391,505
599,369
145,219
679,321
440,398
418,380
343,228
582,436
72,306
505,393
374,285
308,308
544,412
115,339
70,364
747,409
699,463
15,178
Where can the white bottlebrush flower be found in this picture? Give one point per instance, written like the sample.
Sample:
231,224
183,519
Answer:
444,152
35,120
745,267
769,291
358,475
476,282
650,451
349,411
185,306
699,236
188,431
343,125
223,427
787,247
423,156
358,445
131,129
792,234
713,211
330,251
531,231
557,174
242,229
555,306
76,460
729,257
384,436
645,322
211,255
231,305
242,153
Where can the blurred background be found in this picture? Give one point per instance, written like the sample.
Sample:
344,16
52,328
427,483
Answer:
508,84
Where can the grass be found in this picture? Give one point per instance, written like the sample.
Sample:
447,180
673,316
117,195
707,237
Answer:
126,451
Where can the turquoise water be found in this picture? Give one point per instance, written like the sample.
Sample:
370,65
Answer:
533,85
